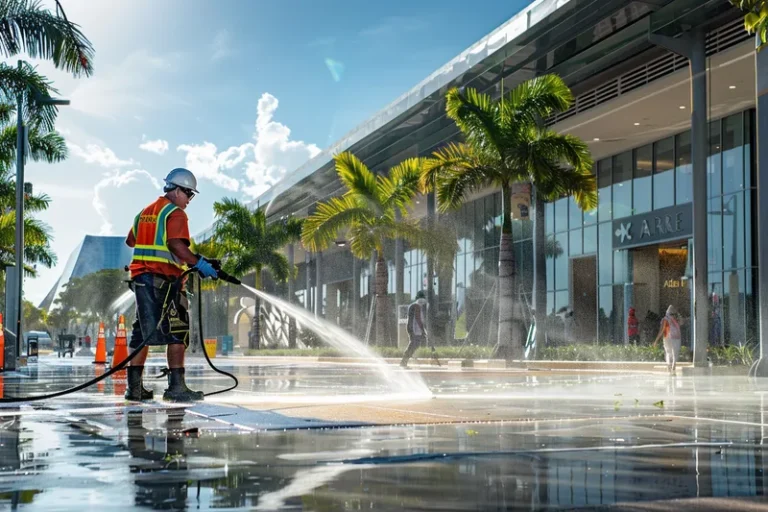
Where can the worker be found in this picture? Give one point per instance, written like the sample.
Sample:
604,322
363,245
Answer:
417,332
160,241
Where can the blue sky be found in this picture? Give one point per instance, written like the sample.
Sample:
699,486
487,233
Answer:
239,91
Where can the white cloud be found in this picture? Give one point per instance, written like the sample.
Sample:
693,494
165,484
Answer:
222,45
158,146
118,180
275,152
95,154
128,87
206,162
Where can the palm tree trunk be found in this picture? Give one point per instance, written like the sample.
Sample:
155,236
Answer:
509,344
382,302
255,340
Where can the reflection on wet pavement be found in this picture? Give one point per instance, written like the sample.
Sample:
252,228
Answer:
496,441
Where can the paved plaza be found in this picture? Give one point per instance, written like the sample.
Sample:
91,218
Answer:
322,436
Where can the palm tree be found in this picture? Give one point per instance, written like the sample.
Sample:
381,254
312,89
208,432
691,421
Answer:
369,210
252,245
29,28
755,18
508,142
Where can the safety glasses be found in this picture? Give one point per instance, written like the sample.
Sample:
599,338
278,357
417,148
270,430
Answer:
188,192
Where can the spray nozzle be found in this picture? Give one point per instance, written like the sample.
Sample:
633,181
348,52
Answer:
216,264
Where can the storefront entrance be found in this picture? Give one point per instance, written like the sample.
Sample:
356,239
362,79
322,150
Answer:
659,280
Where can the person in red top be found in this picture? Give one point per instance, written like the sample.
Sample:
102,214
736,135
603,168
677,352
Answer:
160,241
633,330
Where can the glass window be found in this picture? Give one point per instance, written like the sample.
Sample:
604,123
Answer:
561,215
733,307
749,233
491,234
733,154
605,313
622,185
748,157
684,169
714,161
549,218
590,217
604,190
620,267
642,196
733,231
574,214
551,302
605,253
663,179
716,309
715,235
561,262
590,240
478,223
750,305
550,264
561,300
574,244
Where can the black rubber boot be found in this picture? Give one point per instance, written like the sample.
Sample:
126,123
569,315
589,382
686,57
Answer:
177,388
136,390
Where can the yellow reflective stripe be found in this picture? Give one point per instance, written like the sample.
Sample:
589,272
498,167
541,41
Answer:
161,236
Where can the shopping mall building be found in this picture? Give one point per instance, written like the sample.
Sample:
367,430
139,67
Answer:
666,99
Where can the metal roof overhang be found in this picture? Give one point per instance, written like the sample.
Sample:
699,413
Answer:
584,41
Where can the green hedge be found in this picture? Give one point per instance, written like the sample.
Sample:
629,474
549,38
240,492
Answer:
597,352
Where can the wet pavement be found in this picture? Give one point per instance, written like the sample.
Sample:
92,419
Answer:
317,436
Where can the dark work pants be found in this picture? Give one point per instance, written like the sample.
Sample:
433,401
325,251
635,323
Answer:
415,342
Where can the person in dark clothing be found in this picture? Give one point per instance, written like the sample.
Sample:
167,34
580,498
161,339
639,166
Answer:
417,331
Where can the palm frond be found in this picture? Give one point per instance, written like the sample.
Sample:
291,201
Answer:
534,100
401,186
278,266
49,147
25,26
28,83
477,116
321,228
458,170
357,178
362,241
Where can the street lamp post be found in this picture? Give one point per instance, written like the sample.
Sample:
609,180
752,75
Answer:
21,138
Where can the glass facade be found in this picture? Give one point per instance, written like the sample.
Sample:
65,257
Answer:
648,178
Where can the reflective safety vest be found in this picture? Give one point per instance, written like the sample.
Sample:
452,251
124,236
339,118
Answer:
151,249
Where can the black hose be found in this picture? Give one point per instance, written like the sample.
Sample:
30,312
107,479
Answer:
133,354
202,342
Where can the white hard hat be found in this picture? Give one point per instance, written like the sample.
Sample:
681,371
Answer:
181,177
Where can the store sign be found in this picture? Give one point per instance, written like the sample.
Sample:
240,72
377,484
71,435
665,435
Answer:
666,224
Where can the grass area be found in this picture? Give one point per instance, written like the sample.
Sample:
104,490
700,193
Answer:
468,352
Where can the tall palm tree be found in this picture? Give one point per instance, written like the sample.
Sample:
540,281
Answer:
252,245
508,142
368,209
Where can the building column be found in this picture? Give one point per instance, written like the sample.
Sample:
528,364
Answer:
319,284
291,297
308,279
355,326
761,73
693,46
539,270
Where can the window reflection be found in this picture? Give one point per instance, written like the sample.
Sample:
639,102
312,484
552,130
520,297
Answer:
733,153
605,254
684,169
663,179
714,162
642,186
604,190
622,185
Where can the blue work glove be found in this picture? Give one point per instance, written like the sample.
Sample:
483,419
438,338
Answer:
205,268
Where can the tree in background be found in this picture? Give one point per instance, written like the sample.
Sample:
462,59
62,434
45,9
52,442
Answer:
507,142
369,209
755,18
90,299
253,245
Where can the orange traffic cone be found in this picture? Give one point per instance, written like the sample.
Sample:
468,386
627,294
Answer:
101,347
121,344
2,345
120,382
